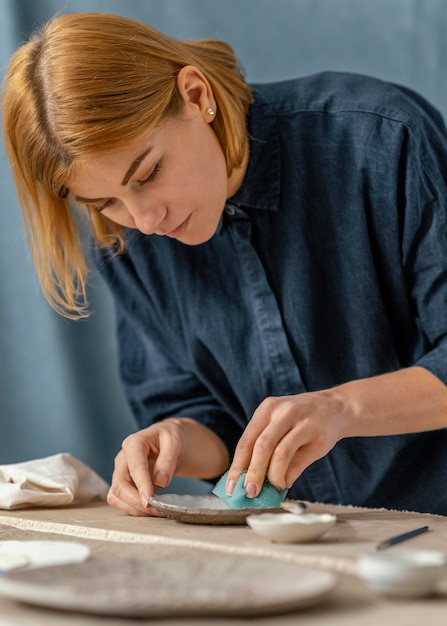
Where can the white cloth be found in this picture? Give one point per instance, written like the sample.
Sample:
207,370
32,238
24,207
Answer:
51,481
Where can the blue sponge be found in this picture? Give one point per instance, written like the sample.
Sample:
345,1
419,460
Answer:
269,497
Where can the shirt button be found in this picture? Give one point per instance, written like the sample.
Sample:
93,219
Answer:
230,210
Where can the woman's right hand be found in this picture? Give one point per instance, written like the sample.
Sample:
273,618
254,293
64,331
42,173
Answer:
147,462
151,457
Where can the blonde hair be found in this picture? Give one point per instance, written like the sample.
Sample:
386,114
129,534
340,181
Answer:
81,84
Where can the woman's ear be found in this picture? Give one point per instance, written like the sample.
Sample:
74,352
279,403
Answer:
196,92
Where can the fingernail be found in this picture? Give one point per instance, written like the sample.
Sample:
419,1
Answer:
161,479
251,490
155,512
231,484
144,500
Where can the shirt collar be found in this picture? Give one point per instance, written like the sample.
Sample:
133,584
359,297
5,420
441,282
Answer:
260,188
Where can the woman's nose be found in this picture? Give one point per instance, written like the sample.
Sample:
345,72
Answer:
147,218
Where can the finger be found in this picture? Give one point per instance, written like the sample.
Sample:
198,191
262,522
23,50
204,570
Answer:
124,496
125,507
130,510
165,465
123,492
278,416
304,457
134,462
239,464
288,451
244,449
260,461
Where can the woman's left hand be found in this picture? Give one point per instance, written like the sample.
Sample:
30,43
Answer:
285,435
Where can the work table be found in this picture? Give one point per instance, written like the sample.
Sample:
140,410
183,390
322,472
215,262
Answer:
111,534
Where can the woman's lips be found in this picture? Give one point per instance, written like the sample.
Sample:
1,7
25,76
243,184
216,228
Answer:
177,232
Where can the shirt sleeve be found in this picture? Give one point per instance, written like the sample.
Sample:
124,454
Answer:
424,237
156,387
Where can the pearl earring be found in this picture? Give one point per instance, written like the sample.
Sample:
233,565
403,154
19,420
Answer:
210,111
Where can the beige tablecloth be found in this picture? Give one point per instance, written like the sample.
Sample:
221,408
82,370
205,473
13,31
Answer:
111,534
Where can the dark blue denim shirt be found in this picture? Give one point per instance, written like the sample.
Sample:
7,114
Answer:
329,264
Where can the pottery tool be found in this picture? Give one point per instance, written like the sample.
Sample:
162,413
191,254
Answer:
295,506
398,538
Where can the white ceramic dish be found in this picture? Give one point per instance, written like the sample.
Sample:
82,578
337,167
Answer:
290,528
403,572
30,554
198,509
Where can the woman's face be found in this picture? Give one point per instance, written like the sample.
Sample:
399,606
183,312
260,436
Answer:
170,182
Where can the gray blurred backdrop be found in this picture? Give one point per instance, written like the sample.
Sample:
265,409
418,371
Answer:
59,386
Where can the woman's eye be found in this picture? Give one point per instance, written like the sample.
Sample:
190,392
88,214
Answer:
141,183
101,207
151,176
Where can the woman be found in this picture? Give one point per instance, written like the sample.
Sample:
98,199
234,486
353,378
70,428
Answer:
277,254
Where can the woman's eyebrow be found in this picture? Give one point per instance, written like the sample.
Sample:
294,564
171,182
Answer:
132,169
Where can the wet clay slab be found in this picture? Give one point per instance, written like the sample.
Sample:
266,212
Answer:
154,588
